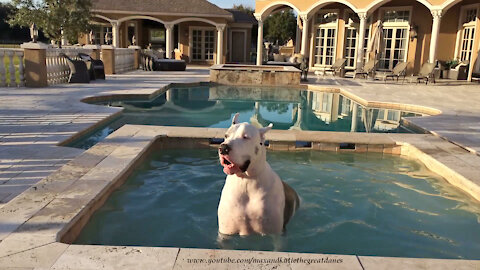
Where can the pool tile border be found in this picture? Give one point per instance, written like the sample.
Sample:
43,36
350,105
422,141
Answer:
41,222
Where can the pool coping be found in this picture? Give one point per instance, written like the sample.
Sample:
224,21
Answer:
40,223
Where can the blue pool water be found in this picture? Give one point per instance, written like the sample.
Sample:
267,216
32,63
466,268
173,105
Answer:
214,106
364,204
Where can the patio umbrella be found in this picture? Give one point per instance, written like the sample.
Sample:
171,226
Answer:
377,42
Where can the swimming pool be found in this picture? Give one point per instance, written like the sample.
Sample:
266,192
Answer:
364,204
286,108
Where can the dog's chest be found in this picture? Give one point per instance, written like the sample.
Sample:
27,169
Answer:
245,210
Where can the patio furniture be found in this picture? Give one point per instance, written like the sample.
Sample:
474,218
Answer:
400,69
367,69
297,60
337,66
425,73
152,62
94,66
78,70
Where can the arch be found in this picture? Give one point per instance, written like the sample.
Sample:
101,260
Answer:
103,18
140,17
377,3
269,8
448,4
189,19
319,4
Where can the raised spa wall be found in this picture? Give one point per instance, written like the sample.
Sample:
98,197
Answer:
255,75
47,218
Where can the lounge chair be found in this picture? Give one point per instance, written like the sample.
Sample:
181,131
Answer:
337,66
152,62
425,73
399,70
95,67
367,69
78,70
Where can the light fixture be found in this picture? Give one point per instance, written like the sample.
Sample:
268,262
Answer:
134,40
34,32
413,32
108,38
91,37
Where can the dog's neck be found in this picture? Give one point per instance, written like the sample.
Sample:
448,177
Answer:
257,165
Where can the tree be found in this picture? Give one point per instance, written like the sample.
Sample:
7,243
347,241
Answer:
246,9
280,27
56,18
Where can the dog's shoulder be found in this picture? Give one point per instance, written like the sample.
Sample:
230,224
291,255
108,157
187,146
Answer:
292,202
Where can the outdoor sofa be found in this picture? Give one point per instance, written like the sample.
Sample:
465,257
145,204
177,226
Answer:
296,60
153,62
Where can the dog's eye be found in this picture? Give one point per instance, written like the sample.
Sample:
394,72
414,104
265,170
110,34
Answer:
245,136
226,136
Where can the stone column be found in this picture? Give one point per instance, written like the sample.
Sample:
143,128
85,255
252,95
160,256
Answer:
108,58
304,34
353,127
260,45
96,49
169,40
35,55
298,36
220,41
437,16
361,38
115,34
136,56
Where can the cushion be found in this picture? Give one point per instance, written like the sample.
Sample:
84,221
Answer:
278,57
292,59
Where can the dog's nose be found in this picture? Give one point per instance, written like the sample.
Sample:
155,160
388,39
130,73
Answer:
224,149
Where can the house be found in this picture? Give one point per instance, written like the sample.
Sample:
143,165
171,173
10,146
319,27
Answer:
197,29
415,31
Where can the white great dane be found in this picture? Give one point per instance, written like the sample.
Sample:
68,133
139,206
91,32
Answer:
254,199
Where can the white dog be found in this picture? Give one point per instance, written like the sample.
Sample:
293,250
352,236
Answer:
254,199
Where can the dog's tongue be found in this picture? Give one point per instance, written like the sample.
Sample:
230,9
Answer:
231,169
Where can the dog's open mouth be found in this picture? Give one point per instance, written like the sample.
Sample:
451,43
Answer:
229,167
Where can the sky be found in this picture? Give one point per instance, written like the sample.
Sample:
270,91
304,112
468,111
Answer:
230,3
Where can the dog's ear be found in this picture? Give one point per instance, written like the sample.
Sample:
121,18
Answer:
264,130
235,119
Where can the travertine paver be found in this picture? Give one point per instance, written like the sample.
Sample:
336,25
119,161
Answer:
33,121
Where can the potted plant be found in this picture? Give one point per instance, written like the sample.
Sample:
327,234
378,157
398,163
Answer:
450,72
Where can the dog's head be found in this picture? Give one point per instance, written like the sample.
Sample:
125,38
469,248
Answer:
243,146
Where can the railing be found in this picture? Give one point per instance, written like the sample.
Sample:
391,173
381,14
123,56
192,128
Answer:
58,70
124,60
11,68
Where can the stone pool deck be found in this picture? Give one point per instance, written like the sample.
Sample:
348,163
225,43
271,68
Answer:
39,225
34,121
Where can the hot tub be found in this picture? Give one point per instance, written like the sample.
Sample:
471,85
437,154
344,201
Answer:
255,75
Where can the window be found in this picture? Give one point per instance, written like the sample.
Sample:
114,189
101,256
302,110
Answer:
350,46
396,16
203,44
325,38
467,32
324,18
99,32
396,25
365,44
395,49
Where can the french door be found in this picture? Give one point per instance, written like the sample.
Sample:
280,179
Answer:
467,43
203,44
325,46
350,46
395,47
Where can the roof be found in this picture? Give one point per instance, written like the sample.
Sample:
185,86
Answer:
167,7
242,17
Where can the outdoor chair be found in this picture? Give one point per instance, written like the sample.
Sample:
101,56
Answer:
95,67
399,70
425,73
337,66
78,70
367,69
